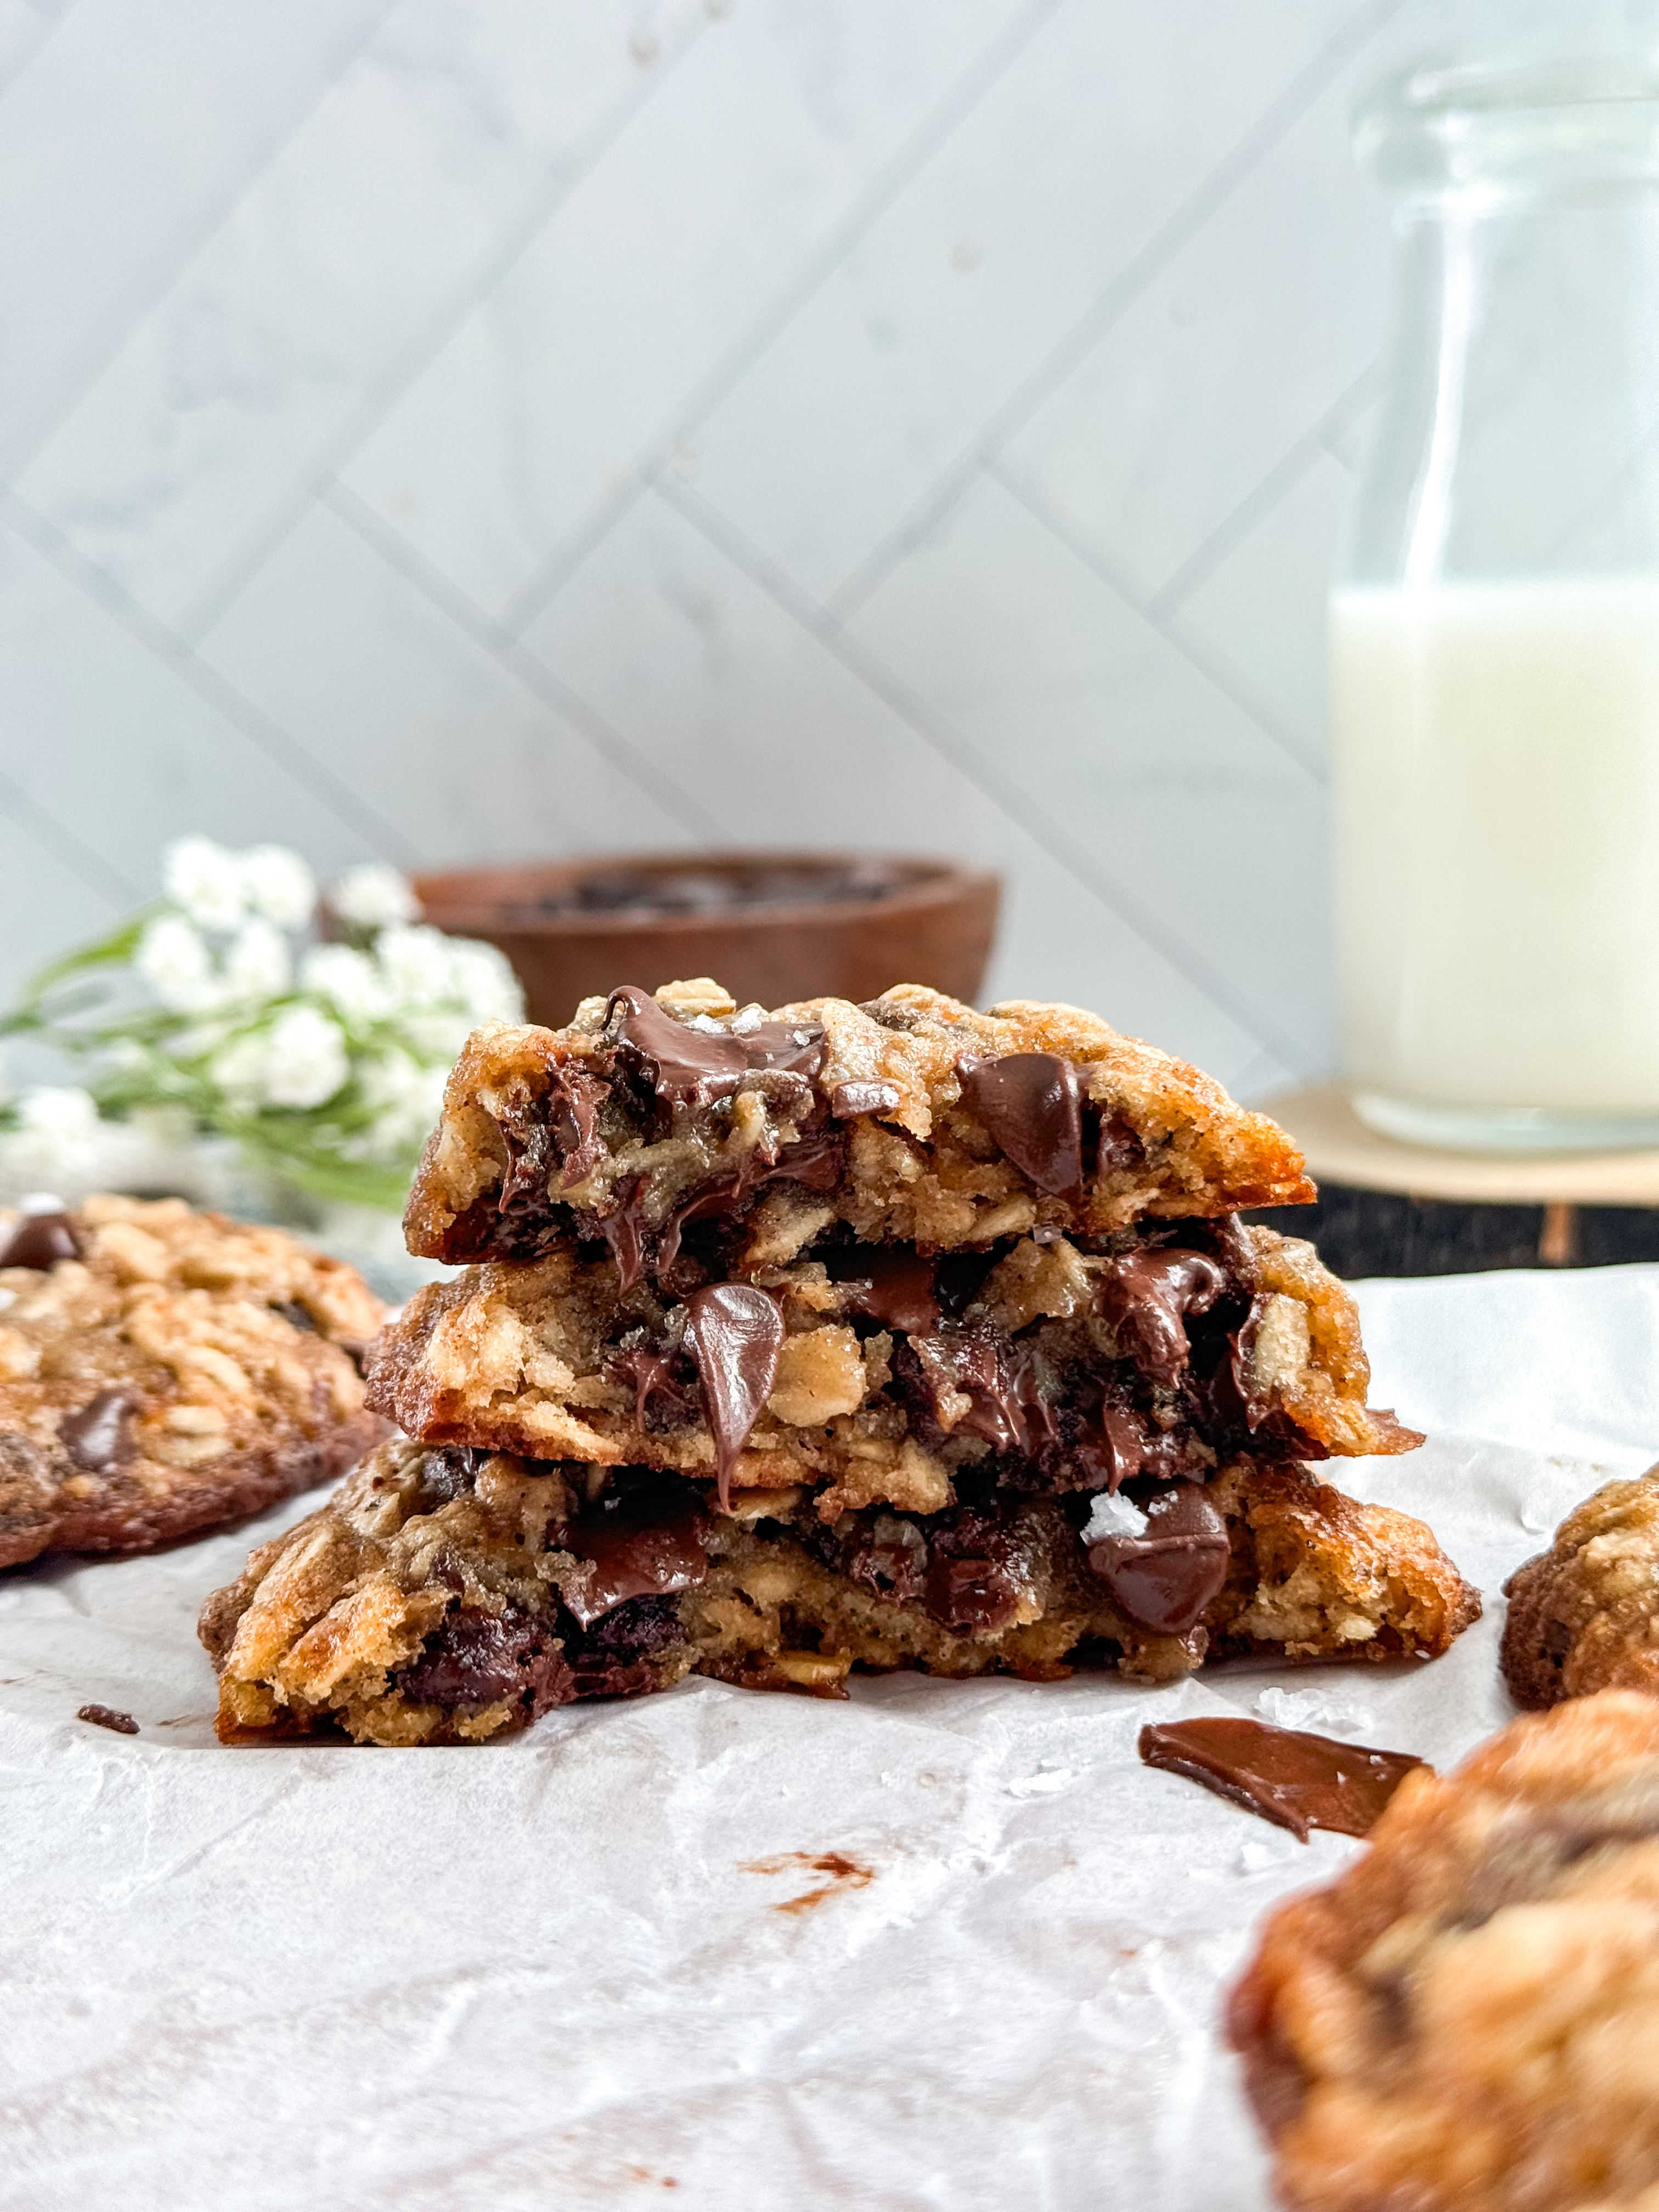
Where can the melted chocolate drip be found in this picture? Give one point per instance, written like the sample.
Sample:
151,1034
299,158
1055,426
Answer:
656,1375
1032,1104
848,1099
889,1283
1296,1780
735,1334
688,1066
1166,1578
648,1542
99,1437
476,1658
40,1241
1148,1294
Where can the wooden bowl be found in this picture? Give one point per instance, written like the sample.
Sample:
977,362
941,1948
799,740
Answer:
818,925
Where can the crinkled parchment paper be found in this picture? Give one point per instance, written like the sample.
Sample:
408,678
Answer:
943,1945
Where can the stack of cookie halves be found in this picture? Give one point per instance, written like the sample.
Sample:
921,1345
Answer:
786,1343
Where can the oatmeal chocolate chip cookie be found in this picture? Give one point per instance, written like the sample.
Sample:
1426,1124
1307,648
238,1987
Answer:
1584,1615
446,1595
164,1372
884,1372
1465,2021
912,1120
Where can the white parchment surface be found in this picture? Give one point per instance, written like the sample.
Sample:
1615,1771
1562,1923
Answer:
599,1966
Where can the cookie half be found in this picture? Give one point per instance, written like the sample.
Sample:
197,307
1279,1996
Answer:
885,1373
1584,1615
1465,2021
164,1372
446,1596
912,1120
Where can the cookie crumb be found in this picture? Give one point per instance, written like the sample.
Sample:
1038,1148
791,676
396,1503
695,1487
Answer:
106,1716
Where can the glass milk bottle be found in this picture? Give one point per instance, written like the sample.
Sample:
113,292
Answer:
1495,622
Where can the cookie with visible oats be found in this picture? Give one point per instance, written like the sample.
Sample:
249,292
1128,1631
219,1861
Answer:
885,1373
1464,2021
912,1120
164,1372
1584,1615
446,1595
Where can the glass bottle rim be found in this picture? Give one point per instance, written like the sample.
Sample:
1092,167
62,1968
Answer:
1500,129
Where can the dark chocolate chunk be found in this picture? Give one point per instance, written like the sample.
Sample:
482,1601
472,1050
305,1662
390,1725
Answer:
99,1437
1116,1147
624,1655
1166,1578
1296,1780
106,1716
40,1241
735,1334
848,1099
688,1066
970,1580
970,1362
1032,1104
1148,1294
624,1231
573,1119
476,1658
890,1283
650,1541
295,1315
892,1565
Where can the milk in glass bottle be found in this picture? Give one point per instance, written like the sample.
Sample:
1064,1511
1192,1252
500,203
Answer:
1495,622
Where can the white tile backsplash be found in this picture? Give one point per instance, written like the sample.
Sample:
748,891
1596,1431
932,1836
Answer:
453,430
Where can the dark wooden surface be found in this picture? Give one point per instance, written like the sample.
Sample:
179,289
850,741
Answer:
1376,1232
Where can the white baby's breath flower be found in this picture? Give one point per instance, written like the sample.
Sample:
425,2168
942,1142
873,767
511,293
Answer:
406,1100
278,884
258,964
173,959
439,1031
416,964
206,880
483,980
308,1061
299,1061
375,897
63,1111
351,981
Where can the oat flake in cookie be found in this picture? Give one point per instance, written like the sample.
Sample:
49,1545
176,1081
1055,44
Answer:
164,1372
1464,2021
446,1596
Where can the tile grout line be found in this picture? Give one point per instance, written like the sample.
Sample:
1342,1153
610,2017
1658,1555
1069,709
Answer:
518,660
515,240
1230,533
1081,550
28,458
38,822
1141,270
935,131
352,811
826,627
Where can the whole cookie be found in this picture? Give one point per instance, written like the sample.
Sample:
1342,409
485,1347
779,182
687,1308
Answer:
164,1372
1584,1615
1465,2021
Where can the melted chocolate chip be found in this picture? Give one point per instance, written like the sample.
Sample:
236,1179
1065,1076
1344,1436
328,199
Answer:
1296,1780
648,1542
848,1099
1116,1147
1166,1578
1256,1403
688,1066
657,1375
970,1362
1148,1294
99,1437
295,1315
40,1241
1032,1104
970,1582
735,1334
477,1658
573,1121
889,1283
106,1716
